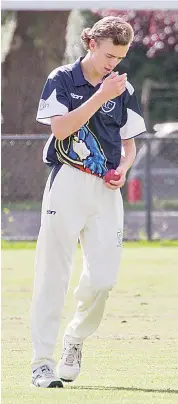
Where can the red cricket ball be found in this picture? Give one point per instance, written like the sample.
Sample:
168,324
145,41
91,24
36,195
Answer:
111,175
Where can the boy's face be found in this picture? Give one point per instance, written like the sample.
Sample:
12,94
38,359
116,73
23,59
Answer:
105,56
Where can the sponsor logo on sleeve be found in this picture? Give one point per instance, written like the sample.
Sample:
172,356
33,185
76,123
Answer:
43,104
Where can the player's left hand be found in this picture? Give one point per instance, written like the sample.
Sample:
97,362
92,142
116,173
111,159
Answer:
119,183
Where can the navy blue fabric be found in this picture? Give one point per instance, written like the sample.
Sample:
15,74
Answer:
96,146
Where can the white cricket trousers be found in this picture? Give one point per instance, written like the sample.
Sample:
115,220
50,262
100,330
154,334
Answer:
77,205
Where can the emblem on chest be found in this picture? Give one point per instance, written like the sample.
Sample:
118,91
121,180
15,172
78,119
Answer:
108,106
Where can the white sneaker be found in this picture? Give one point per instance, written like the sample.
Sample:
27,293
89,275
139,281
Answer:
69,366
44,376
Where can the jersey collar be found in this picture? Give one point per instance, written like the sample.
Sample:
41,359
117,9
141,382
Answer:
77,73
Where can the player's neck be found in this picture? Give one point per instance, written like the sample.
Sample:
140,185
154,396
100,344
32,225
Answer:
89,71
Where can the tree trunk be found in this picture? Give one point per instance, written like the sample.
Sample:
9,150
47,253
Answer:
37,47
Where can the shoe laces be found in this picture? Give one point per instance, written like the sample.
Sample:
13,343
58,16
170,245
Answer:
44,370
71,353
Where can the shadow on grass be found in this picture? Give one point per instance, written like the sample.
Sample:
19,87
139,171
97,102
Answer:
123,389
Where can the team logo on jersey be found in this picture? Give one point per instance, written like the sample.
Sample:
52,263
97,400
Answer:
108,106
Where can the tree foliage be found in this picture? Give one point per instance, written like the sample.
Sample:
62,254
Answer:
157,30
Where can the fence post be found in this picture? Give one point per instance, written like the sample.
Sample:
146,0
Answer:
148,190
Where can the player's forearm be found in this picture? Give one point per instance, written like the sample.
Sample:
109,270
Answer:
64,126
130,154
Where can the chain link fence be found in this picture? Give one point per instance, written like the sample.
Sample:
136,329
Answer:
150,193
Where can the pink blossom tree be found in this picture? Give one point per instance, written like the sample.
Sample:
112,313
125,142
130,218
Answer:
156,30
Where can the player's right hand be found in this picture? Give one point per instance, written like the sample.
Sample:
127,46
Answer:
113,86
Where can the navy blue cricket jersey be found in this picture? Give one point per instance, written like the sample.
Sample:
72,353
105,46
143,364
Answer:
96,146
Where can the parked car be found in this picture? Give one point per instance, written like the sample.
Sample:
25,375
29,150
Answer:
164,166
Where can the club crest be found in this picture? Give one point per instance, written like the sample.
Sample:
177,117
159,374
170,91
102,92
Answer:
108,106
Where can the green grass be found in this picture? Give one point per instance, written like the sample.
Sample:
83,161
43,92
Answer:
26,245
157,204
24,205
28,205
131,358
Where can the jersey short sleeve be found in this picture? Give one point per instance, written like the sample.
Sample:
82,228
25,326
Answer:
132,121
54,100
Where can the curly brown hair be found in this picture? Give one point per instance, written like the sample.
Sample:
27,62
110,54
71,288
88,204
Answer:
114,28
